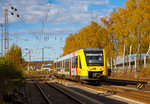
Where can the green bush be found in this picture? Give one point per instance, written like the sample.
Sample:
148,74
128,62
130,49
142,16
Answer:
9,75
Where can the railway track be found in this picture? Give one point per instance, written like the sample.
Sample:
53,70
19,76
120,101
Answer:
67,94
132,94
53,92
142,85
45,97
54,95
138,95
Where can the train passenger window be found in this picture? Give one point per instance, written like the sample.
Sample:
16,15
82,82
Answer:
58,70
55,65
80,63
63,64
76,62
73,62
67,65
60,64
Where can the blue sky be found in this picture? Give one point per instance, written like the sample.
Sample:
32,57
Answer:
47,23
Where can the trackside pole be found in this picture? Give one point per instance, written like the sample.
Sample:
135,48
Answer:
111,65
130,58
124,59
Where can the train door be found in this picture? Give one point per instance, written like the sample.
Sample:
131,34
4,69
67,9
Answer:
80,68
70,67
77,68
63,67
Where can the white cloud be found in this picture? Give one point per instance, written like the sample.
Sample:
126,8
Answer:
84,2
34,11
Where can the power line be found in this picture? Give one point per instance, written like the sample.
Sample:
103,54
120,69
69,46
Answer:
44,21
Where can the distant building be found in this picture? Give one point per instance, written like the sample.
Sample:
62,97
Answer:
119,59
46,67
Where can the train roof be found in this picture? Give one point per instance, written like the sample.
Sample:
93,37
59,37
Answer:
90,49
71,54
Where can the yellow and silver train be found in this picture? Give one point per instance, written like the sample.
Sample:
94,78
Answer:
87,64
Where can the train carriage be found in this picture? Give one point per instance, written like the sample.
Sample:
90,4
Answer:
85,64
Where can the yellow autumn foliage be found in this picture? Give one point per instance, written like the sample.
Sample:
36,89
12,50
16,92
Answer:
126,25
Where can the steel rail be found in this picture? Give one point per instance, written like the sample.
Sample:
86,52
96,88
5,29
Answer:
44,95
28,101
132,94
67,94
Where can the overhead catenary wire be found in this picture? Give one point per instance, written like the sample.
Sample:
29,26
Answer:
44,22
43,26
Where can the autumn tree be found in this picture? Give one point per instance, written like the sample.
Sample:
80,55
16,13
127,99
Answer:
11,67
15,56
129,25
91,36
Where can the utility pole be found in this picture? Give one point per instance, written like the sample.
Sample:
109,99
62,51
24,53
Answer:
130,58
1,40
29,56
140,50
29,59
6,38
111,64
146,56
43,54
124,58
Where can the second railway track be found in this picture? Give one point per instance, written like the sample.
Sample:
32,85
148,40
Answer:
137,95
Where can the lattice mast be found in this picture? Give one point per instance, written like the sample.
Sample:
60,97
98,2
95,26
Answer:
1,40
6,38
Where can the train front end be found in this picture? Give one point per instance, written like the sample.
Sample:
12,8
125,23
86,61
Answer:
94,64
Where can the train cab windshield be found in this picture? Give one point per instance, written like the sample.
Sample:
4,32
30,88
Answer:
94,58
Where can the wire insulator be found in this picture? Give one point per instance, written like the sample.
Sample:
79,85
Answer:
12,7
15,9
17,15
12,13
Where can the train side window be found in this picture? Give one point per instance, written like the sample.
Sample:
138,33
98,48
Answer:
76,61
73,62
67,65
55,65
63,63
80,62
